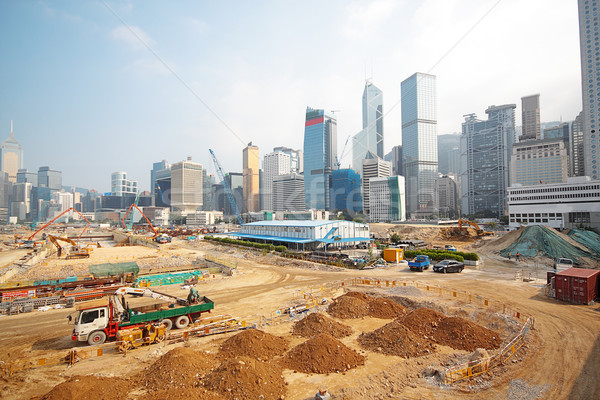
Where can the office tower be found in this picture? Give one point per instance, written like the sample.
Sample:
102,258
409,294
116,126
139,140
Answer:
419,143
50,179
370,139
5,195
296,159
320,151
539,162
274,164
251,186
373,167
589,42
560,131
386,199
447,192
577,152
486,148
24,176
530,118
288,192
207,199
20,205
346,191
395,157
235,180
11,156
156,167
186,187
449,157
121,186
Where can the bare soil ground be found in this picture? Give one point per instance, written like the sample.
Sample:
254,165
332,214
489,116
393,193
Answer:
561,359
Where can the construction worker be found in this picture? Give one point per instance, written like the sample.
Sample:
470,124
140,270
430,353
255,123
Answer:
509,256
517,256
322,394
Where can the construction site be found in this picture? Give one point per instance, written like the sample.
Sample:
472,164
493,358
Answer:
186,317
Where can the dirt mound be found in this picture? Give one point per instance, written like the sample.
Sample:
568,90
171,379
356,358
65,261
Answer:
422,321
246,378
322,354
386,308
254,343
348,307
396,339
456,234
461,334
501,242
179,368
197,393
90,387
315,324
358,295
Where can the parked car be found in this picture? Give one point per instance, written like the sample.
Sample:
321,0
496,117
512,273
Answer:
448,266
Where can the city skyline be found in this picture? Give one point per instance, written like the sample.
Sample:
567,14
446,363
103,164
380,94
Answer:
79,79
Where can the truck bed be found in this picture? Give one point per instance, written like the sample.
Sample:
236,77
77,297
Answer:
137,318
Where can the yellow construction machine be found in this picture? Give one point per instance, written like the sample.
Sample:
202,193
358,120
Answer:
480,231
136,337
75,251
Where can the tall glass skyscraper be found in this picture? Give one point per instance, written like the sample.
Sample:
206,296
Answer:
345,191
320,150
370,139
11,156
419,143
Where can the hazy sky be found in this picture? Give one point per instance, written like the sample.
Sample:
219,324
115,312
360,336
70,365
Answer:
88,97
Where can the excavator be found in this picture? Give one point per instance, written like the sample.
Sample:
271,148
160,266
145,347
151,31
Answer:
478,229
144,215
75,251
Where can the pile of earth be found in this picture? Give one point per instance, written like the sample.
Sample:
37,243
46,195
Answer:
179,368
90,387
422,321
196,393
358,305
253,343
315,324
396,339
461,334
247,378
322,354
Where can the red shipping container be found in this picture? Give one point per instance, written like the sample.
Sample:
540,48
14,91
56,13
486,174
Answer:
577,285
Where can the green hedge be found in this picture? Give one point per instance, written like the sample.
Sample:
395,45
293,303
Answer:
434,254
246,243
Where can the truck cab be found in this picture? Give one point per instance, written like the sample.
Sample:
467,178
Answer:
90,325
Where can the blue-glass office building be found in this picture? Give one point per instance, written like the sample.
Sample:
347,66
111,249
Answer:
345,190
320,150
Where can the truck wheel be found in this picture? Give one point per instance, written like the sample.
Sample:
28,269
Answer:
167,323
97,337
182,322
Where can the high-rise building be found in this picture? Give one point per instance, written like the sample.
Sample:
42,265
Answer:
539,162
121,186
560,131
447,192
156,167
48,178
274,164
395,157
24,176
207,199
288,192
449,157
576,142
387,199
419,143
320,151
251,179
589,42
346,190
486,148
530,118
5,195
373,167
11,156
296,159
186,187
370,139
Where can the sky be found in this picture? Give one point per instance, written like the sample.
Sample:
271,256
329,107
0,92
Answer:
95,87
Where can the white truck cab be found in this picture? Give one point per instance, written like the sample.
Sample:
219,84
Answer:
90,325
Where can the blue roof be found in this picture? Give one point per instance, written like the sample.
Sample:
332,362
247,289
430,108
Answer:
298,223
272,238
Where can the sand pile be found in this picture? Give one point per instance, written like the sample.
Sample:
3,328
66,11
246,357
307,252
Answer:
396,339
386,308
246,378
90,387
179,368
315,324
255,344
461,334
358,295
197,393
322,354
422,321
348,307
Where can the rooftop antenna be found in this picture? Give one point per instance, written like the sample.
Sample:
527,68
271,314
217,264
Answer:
11,128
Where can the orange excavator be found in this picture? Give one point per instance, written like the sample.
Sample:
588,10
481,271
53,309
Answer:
57,217
479,230
75,251
144,215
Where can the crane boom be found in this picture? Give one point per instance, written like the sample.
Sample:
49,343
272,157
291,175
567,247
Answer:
130,222
57,217
228,192
144,215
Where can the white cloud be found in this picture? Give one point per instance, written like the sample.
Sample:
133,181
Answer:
132,36
362,20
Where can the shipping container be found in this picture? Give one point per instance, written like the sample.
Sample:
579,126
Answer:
577,285
393,255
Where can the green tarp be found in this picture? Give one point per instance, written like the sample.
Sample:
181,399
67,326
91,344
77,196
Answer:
109,269
589,239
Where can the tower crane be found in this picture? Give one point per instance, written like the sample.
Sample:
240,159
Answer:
337,161
228,192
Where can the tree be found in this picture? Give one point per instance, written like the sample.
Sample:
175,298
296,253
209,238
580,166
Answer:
395,238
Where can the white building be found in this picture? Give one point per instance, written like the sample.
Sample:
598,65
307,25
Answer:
203,218
559,205
288,193
446,189
373,167
274,164
120,185
186,187
158,215
387,199
535,161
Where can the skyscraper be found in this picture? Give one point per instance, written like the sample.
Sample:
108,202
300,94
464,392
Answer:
486,148
395,157
50,179
576,142
530,118
288,192
386,199
296,159
121,186
370,139
156,167
274,164
589,42
251,179
419,142
373,167
345,190
186,187
320,150
11,156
